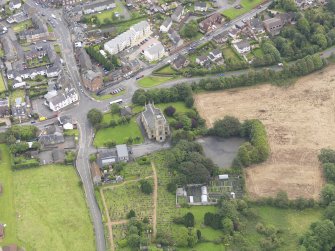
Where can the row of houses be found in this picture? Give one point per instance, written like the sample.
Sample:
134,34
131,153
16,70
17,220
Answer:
38,33
176,17
134,36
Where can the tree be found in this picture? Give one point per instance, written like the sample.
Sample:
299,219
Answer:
320,237
169,111
190,29
327,155
189,220
94,116
227,127
115,109
146,187
303,26
330,212
199,234
281,200
331,5
328,194
329,171
131,214
228,226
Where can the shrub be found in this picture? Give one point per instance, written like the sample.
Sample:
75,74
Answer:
146,187
227,127
170,111
143,160
131,214
327,155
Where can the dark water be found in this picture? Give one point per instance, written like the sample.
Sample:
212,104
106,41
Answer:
221,151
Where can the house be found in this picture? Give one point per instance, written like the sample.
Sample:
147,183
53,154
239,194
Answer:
233,33
134,36
15,4
58,156
122,153
4,108
175,38
107,158
200,6
126,111
154,52
201,60
222,37
10,50
273,25
242,47
63,100
47,140
256,26
178,13
19,110
166,25
66,122
215,55
40,31
96,174
98,6
180,62
154,123
211,23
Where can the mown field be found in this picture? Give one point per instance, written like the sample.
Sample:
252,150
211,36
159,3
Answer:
152,81
43,208
51,208
247,5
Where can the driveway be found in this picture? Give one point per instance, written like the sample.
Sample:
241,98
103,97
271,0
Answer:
150,147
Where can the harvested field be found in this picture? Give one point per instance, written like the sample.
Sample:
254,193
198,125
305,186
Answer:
299,119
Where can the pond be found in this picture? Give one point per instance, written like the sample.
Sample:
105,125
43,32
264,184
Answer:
221,151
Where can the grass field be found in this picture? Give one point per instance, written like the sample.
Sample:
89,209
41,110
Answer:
108,14
7,215
51,208
228,52
18,93
107,96
151,81
168,70
2,84
22,26
294,223
247,5
118,134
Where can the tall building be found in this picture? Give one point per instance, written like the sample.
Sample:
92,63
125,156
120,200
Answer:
155,123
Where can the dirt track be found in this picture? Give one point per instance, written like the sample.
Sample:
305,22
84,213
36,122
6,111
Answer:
300,120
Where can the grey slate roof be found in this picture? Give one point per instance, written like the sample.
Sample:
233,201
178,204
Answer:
122,151
51,139
150,113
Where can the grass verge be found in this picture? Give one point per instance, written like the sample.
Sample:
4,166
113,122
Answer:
152,81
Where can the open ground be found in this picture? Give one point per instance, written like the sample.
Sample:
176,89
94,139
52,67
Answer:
299,120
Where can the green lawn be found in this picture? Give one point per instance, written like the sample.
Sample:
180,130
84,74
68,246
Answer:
73,132
206,246
293,222
168,70
18,93
108,95
118,134
51,209
107,14
57,49
2,84
247,5
228,52
22,26
7,215
258,52
151,81
180,106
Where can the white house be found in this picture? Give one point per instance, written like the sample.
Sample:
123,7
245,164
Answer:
134,36
66,122
200,6
14,5
166,25
62,100
215,55
154,52
99,6
178,13
242,47
201,60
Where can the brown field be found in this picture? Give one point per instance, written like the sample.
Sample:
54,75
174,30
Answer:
300,120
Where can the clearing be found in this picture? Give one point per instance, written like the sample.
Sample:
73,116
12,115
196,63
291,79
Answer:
50,208
151,81
299,121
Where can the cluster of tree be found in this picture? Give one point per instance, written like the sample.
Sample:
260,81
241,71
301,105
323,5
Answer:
190,29
299,68
146,186
70,157
188,160
271,55
272,239
286,5
21,163
180,237
22,147
227,127
137,234
22,133
187,220
327,158
191,120
313,32
281,201
181,134
180,92
107,63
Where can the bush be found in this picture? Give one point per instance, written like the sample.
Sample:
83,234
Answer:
327,155
169,111
143,160
146,187
227,127
131,214
329,171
